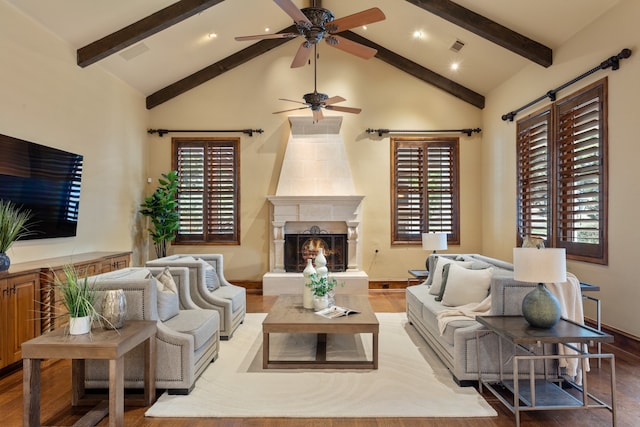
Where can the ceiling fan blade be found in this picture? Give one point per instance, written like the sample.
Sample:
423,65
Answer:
353,48
291,100
293,11
344,109
292,109
365,17
268,36
302,56
333,100
317,115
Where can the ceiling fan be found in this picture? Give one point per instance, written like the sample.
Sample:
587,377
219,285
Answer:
317,101
316,23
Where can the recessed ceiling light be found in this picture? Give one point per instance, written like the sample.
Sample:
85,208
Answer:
212,35
455,66
417,34
364,27
267,29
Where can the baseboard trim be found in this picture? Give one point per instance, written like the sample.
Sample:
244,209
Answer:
622,340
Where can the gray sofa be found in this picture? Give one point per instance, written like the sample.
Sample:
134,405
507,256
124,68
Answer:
187,339
456,347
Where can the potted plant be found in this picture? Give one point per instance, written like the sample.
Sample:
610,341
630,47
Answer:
13,226
322,290
162,208
79,298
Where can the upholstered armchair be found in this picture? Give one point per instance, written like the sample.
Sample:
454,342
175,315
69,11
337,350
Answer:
209,288
187,339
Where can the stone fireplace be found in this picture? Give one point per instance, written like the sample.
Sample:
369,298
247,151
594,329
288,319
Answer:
315,192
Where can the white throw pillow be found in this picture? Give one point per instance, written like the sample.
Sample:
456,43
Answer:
465,286
436,281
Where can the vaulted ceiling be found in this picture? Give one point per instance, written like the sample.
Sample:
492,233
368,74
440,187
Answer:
164,48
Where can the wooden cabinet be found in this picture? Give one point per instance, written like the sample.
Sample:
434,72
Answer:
28,304
19,314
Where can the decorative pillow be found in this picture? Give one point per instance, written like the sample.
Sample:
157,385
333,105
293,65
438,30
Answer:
211,278
436,280
168,301
445,276
533,242
465,286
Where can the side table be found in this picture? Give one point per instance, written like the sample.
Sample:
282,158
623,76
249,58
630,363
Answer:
99,344
535,393
417,275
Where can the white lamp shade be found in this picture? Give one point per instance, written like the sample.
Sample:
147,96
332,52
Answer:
540,265
434,241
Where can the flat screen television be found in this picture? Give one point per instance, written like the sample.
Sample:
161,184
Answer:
44,180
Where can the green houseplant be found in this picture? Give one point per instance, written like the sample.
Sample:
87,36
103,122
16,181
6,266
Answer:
13,226
79,298
162,208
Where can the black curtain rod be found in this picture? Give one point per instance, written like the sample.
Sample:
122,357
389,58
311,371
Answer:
162,132
613,62
466,131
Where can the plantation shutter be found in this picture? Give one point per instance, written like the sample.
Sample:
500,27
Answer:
409,195
208,191
222,204
425,189
533,181
581,175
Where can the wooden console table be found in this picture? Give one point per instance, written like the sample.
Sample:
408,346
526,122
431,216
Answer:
106,344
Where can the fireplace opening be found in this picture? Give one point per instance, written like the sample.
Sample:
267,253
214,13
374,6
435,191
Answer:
300,247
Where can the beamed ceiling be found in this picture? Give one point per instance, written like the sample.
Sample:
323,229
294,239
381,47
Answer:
162,47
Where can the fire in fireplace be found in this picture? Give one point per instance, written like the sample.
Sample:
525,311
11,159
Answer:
300,247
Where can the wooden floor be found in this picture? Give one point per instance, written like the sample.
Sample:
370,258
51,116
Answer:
56,395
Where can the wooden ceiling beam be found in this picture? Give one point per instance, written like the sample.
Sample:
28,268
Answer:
419,71
214,70
488,29
142,29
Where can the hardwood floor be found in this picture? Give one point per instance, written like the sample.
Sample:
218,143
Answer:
56,395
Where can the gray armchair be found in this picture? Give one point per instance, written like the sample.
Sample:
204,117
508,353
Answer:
187,339
230,300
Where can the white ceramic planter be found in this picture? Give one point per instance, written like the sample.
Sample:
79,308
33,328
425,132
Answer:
79,325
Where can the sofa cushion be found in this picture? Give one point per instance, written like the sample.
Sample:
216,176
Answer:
436,281
235,294
201,324
465,286
211,280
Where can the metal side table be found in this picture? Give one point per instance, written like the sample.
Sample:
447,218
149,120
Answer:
536,392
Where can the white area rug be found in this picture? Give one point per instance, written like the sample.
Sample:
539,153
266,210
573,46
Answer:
410,381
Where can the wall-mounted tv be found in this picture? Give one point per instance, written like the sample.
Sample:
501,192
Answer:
44,180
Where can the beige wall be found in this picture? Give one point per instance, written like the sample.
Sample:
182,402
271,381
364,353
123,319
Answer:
247,96
46,98
604,38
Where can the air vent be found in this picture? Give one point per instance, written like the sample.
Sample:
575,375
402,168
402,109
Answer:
134,51
457,46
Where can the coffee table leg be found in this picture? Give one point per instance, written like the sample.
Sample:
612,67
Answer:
116,392
265,350
150,371
375,350
31,392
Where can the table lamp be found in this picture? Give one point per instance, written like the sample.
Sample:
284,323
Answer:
434,241
540,307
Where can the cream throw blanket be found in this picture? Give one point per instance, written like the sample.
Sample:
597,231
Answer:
570,298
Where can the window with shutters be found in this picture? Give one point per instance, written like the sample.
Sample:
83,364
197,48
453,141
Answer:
208,190
562,174
425,189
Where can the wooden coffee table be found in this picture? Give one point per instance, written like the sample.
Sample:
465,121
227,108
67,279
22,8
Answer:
289,316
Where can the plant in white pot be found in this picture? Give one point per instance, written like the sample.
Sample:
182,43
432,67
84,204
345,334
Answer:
79,298
13,226
322,288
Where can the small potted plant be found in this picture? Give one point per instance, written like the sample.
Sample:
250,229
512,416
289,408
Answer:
322,289
79,298
13,226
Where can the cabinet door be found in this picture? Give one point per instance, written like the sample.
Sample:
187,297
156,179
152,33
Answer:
115,263
23,308
4,327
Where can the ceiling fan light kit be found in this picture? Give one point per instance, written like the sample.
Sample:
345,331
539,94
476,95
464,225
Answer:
315,24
